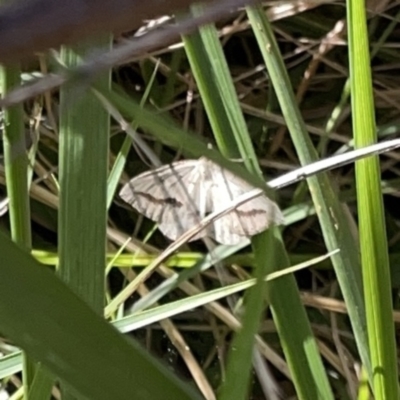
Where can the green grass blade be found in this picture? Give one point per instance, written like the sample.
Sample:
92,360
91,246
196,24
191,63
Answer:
335,228
41,385
237,137
84,136
16,164
373,242
10,364
60,330
205,79
16,168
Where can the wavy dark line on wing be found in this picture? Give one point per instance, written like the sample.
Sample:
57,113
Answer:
165,201
251,213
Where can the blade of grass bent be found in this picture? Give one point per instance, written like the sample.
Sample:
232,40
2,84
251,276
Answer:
336,231
373,241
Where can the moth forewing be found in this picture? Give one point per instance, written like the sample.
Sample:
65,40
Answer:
167,195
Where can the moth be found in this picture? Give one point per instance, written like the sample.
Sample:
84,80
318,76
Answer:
179,195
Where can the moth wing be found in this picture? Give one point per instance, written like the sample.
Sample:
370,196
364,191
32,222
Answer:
176,221
169,196
251,218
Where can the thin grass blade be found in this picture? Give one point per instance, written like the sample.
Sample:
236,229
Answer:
371,216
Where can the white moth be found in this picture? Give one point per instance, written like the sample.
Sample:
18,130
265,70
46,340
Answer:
179,195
